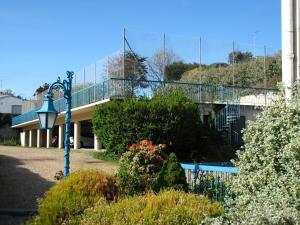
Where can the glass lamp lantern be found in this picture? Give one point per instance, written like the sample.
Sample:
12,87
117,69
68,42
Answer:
47,114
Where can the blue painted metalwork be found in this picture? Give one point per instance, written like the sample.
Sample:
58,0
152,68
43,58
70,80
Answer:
47,108
121,88
209,180
66,86
227,116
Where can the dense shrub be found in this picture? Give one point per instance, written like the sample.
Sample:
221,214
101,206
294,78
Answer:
168,207
139,167
268,182
65,201
171,175
169,117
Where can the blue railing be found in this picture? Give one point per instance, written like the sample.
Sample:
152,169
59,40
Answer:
83,97
120,88
210,180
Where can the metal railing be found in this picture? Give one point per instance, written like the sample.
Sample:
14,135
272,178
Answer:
121,88
210,180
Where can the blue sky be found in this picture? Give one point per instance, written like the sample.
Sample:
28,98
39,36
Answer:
40,40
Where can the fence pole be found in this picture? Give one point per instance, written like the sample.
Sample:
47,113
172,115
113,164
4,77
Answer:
84,77
233,71
124,42
265,74
164,49
95,81
200,78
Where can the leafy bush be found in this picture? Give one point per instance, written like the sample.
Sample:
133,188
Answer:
169,117
171,175
168,207
268,182
139,167
65,201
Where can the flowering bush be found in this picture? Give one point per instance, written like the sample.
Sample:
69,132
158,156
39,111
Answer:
139,166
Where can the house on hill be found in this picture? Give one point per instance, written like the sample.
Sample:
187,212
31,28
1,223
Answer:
10,106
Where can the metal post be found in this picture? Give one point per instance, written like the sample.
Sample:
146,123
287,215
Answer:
84,77
95,81
233,55
68,96
233,63
265,75
124,39
124,55
200,68
164,49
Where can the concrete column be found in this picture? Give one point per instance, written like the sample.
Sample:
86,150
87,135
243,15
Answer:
26,137
48,138
23,138
288,45
30,139
77,131
97,144
61,136
38,138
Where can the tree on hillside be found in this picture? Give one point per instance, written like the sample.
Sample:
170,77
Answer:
158,63
133,68
239,56
175,70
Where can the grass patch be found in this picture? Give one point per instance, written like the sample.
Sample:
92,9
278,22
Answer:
10,141
106,156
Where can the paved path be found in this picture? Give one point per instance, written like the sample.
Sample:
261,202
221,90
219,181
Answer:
26,173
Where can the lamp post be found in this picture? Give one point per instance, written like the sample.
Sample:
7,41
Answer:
47,113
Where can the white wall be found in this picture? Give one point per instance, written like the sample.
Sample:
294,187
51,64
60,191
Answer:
6,103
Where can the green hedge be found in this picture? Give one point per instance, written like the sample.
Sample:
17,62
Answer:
168,207
169,117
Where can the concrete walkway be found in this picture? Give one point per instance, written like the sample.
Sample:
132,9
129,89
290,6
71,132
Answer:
27,173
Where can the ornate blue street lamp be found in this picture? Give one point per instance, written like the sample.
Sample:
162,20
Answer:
47,113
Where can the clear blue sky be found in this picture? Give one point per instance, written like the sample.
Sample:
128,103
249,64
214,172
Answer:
40,40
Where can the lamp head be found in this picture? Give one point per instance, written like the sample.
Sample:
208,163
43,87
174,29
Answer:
47,113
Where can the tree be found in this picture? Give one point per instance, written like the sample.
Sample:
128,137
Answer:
159,61
239,56
175,70
133,68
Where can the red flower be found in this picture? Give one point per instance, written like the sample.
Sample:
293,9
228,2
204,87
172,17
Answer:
164,146
146,143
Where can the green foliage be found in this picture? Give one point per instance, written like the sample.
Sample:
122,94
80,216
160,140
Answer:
10,141
247,73
168,207
65,201
169,117
268,182
175,70
5,119
172,175
239,56
106,156
139,167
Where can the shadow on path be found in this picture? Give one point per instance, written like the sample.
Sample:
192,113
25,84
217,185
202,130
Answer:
19,190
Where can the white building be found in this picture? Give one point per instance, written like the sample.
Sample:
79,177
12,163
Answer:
11,105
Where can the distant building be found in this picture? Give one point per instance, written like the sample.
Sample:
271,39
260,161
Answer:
10,106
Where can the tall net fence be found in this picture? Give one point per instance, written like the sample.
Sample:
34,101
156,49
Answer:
89,75
164,57
202,60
